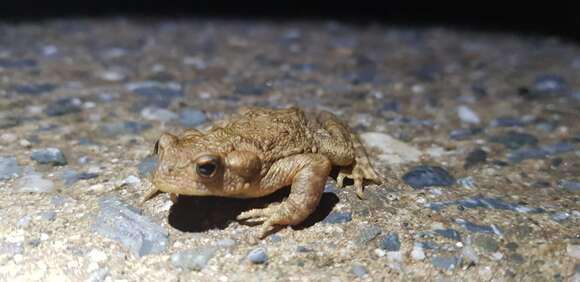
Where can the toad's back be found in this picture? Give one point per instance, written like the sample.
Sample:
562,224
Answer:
274,134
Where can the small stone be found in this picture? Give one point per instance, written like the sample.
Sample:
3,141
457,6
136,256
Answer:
550,83
9,168
34,89
470,255
359,270
147,165
570,185
195,259
367,234
560,216
390,242
573,251
47,215
10,249
467,182
303,249
119,221
428,176
474,158
258,256
70,177
485,202
34,183
124,128
131,180
98,275
52,156
467,115
9,122
191,118
509,122
8,138
338,217
226,243
156,90
515,140
275,238
417,253
445,262
112,75
540,152
394,152
248,89
24,221
18,63
486,243
476,228
449,234
158,114
64,106
464,133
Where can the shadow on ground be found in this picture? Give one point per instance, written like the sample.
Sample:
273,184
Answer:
198,214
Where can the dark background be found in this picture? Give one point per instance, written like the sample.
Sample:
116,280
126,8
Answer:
558,18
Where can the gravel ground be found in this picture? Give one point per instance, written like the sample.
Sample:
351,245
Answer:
482,127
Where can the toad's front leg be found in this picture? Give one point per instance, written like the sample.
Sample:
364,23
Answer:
307,174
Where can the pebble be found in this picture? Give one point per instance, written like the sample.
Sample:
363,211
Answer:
509,122
191,118
70,177
359,270
540,152
33,182
445,262
258,256
226,243
98,275
550,83
158,114
248,89
449,234
570,185
464,133
119,221
131,180
467,182
124,128
275,238
147,165
338,217
573,251
9,122
63,106
476,228
390,242
367,234
154,89
474,158
34,89
48,215
9,168
18,63
515,140
486,243
10,248
485,202
470,255
52,156
560,216
393,151
195,259
417,252
428,176
467,115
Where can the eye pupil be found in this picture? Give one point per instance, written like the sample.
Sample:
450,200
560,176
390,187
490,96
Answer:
206,169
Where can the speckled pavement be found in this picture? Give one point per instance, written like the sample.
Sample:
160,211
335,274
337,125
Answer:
482,128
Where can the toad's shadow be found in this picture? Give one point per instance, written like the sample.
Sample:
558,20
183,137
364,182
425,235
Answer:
198,214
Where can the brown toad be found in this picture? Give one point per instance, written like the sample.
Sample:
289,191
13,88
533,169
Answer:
258,152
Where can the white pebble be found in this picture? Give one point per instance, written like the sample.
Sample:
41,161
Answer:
417,253
467,115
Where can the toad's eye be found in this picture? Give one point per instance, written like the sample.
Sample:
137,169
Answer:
207,166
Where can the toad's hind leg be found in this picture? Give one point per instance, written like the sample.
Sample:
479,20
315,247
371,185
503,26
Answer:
344,149
307,173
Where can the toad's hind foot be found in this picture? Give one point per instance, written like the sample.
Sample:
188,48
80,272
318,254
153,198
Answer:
359,174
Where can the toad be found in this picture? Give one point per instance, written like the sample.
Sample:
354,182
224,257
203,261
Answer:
258,152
